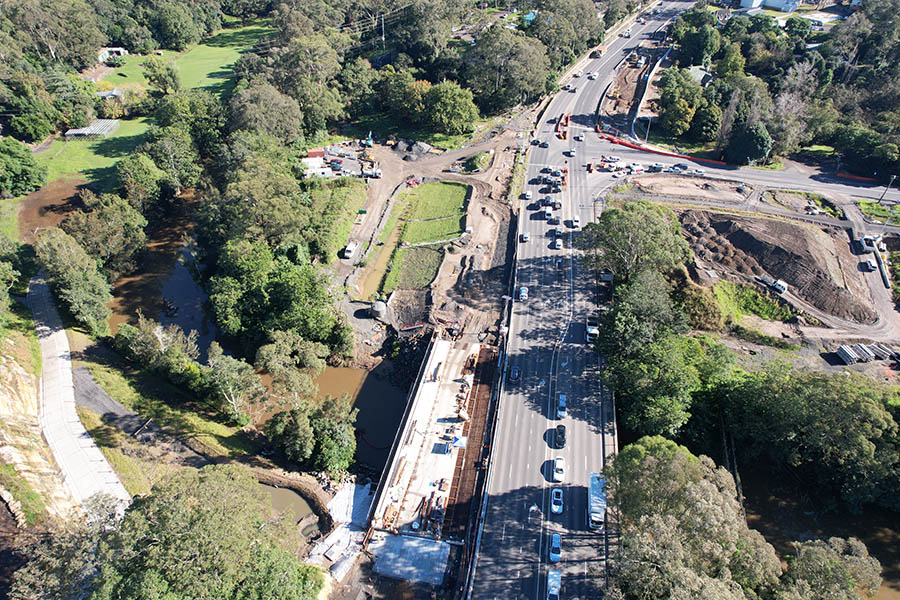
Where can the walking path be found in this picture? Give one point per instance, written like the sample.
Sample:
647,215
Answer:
84,468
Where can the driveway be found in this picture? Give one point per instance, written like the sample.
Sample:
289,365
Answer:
84,468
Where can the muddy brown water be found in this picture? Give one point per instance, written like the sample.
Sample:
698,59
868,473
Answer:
781,518
288,500
48,206
376,272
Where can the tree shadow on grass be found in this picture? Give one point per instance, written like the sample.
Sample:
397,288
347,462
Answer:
237,38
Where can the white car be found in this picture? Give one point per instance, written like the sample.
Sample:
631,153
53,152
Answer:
556,501
592,76
579,74
635,165
523,294
579,137
559,468
576,222
613,159
555,552
556,244
642,21
528,195
697,172
525,236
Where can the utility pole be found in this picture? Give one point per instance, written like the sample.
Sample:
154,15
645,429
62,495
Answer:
382,31
647,138
887,187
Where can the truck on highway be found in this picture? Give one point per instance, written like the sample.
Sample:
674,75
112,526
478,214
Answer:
554,584
596,505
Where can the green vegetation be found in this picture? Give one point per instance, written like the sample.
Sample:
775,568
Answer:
477,163
337,203
383,124
756,336
435,199
170,408
136,466
416,232
885,213
32,505
895,276
682,527
736,300
219,516
413,268
18,320
94,159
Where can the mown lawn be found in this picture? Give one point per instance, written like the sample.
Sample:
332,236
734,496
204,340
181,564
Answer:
206,65
93,158
413,268
436,199
343,197
417,232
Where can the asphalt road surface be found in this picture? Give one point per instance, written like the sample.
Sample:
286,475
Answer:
547,344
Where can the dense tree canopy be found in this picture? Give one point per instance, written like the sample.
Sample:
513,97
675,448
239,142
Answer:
19,172
207,533
684,534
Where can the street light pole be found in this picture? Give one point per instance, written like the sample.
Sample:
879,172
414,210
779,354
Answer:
887,187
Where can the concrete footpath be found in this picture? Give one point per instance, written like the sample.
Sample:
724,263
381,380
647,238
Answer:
84,468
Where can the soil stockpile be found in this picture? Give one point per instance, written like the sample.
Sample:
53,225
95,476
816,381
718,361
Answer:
812,262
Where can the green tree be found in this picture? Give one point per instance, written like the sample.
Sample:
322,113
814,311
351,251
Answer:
218,516
706,122
110,230
750,145
837,568
261,107
76,278
199,112
141,180
451,108
358,81
505,69
174,26
637,237
732,61
234,384
797,27
162,76
8,273
699,45
293,362
292,433
172,150
676,117
30,127
19,172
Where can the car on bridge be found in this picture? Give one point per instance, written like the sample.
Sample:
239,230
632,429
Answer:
515,373
556,501
561,406
555,550
525,236
559,468
523,294
560,436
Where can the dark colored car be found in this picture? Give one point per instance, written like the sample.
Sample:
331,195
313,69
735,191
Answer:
560,436
545,144
514,374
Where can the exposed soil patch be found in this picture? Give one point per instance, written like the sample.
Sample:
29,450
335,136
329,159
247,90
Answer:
691,187
818,266
48,206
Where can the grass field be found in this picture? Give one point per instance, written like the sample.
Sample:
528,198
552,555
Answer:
413,268
206,65
133,463
18,326
881,212
417,232
344,197
32,505
436,199
93,158
382,125
659,139
170,408
736,300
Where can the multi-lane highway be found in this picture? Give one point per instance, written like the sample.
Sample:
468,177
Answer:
548,353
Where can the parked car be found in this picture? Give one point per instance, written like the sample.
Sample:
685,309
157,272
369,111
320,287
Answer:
556,501
556,244
613,159
528,195
545,144
870,265
525,236
682,166
576,222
